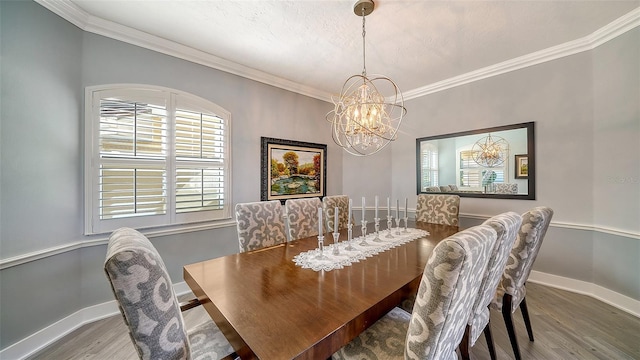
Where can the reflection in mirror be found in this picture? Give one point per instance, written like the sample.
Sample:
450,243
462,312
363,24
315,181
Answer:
496,162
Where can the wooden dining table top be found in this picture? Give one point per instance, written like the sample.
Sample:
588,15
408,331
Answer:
270,308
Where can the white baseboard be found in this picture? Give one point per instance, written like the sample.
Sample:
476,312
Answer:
54,332
47,336
603,294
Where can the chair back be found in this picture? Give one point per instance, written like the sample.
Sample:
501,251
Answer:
506,188
432,189
453,187
445,188
260,224
438,209
329,203
144,292
448,288
506,226
535,223
302,217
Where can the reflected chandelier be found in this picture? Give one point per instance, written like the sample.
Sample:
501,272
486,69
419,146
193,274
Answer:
363,120
490,151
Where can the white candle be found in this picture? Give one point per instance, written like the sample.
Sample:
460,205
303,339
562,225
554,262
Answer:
376,207
335,221
406,202
388,207
319,221
349,213
363,208
397,209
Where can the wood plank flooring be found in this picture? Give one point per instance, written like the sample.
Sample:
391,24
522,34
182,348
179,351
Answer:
565,326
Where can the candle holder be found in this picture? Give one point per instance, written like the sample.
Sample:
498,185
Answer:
364,234
389,223
349,247
406,221
336,249
377,226
398,226
321,255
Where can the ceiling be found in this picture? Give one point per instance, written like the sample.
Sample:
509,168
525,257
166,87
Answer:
316,45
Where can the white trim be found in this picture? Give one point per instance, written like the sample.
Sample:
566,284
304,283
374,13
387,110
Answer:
48,335
72,13
56,331
104,238
565,225
617,300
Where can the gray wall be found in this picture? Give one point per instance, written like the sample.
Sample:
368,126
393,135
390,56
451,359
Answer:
46,64
586,109
587,123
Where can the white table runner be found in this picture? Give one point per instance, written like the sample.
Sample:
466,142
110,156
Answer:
309,260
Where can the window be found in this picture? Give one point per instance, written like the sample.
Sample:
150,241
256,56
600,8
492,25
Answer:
154,157
429,170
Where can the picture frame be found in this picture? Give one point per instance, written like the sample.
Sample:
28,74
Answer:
292,169
522,166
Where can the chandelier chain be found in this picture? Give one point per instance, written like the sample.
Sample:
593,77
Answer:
364,48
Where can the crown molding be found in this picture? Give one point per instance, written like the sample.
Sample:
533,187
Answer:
72,13
608,32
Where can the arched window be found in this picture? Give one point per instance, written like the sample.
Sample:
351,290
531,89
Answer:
154,157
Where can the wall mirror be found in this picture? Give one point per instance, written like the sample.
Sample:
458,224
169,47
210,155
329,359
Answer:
497,162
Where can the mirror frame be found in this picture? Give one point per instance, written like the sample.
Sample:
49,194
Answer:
531,193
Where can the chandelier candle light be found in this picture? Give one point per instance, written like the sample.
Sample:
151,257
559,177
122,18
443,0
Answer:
364,121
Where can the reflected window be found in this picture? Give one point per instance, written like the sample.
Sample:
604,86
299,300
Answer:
429,155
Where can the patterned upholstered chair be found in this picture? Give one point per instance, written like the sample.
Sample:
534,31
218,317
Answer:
432,189
302,217
511,290
438,209
506,188
447,291
506,226
260,224
149,306
329,204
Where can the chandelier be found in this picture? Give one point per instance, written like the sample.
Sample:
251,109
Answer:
364,121
490,151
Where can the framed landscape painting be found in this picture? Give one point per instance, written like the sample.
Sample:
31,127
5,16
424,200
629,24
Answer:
292,169
522,166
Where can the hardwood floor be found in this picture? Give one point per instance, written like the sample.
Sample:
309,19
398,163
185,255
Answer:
565,326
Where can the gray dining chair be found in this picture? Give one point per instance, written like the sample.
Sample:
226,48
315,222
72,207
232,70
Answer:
149,307
506,226
447,290
329,203
432,189
302,217
511,291
260,224
438,209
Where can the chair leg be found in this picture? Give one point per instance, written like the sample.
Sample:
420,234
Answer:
525,316
508,321
464,344
489,338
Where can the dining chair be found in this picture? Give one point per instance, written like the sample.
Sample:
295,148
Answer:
432,189
511,291
447,290
260,224
302,217
144,292
453,187
445,188
438,209
506,188
329,203
506,226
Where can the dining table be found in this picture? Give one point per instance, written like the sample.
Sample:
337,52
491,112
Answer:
270,308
